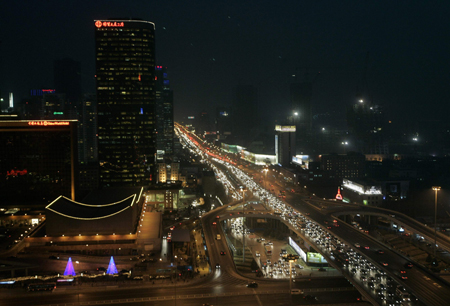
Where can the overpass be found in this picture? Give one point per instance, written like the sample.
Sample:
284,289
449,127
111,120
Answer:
431,289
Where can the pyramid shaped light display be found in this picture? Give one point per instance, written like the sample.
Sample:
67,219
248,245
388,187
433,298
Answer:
70,271
112,267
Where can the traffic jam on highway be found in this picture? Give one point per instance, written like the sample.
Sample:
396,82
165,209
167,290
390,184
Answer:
381,287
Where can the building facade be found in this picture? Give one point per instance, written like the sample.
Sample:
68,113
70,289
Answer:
284,144
125,76
164,114
38,160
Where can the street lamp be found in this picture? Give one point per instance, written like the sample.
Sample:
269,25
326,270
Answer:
436,189
265,178
345,144
243,228
290,275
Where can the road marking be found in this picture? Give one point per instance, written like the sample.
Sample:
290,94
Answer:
257,298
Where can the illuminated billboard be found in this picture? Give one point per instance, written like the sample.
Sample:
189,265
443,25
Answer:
315,258
285,128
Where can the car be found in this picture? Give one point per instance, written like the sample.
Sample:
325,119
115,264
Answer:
380,252
223,253
217,266
53,257
366,247
408,265
252,285
384,263
214,223
140,278
257,254
371,285
217,217
101,269
357,245
310,297
402,272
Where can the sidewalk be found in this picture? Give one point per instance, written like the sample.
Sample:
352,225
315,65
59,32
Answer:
200,263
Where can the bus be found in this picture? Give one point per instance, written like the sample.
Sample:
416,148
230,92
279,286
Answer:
41,287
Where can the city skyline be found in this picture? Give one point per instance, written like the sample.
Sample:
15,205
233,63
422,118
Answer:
211,48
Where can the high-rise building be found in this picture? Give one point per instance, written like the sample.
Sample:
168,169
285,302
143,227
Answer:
223,122
164,113
245,112
301,115
38,160
125,75
67,79
301,94
284,144
367,123
87,129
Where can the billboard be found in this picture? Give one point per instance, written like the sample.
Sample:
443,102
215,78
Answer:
285,128
313,257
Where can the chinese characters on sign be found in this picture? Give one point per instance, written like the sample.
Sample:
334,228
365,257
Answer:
109,24
47,123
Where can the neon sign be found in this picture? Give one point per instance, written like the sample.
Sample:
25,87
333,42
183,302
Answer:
109,24
16,172
48,123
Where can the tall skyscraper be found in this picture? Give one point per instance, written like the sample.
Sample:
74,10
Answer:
301,94
223,122
125,75
164,113
284,144
245,112
67,78
367,123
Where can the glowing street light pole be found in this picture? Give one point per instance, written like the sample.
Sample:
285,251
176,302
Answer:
436,189
243,228
290,275
345,144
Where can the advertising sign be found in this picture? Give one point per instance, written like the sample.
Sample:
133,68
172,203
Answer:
315,258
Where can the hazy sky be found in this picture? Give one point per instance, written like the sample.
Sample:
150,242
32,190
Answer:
211,46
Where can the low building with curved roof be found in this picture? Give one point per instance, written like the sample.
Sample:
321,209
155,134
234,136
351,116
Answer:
71,218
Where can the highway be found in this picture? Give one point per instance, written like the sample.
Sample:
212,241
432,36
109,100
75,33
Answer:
429,288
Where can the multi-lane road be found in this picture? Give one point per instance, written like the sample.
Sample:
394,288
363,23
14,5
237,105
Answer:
431,289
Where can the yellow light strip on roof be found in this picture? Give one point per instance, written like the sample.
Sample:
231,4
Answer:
89,219
90,205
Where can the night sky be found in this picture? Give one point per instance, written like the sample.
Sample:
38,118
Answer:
210,47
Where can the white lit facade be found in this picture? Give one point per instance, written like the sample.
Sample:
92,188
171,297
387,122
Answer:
361,193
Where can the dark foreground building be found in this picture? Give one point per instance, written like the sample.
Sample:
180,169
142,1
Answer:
125,75
104,212
38,160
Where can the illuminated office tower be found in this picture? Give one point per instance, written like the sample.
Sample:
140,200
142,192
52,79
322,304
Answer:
164,113
125,75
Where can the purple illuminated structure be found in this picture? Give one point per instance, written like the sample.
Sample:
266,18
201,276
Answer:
69,268
112,267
